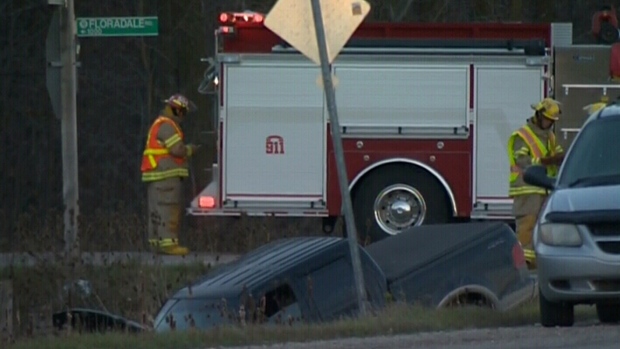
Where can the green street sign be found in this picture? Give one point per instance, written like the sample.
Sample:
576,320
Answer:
117,26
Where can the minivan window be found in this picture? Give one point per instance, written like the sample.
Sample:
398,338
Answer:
595,156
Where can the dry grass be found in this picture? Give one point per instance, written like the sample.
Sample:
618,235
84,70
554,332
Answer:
128,289
394,320
122,230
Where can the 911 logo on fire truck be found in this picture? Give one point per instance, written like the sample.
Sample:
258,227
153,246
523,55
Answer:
274,145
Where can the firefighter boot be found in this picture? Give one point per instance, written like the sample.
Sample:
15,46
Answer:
176,250
168,247
530,258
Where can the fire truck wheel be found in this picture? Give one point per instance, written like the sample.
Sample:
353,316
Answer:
393,198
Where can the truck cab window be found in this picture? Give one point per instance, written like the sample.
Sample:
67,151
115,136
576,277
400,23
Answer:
279,302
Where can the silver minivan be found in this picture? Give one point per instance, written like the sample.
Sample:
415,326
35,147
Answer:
577,236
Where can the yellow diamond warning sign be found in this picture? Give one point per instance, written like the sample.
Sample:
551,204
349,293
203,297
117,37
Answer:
292,20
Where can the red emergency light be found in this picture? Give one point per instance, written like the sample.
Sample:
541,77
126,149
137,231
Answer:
240,17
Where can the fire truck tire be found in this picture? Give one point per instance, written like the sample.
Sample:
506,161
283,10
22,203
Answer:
395,197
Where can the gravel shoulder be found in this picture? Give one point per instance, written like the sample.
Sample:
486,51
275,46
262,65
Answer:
580,336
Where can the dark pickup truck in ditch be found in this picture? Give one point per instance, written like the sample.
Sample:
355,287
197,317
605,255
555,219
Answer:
310,279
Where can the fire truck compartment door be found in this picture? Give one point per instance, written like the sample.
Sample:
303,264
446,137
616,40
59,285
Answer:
274,135
410,97
504,95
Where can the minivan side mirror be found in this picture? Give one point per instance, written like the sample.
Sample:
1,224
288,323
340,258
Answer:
536,175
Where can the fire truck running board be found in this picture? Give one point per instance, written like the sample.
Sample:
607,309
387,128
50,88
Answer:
500,209
258,212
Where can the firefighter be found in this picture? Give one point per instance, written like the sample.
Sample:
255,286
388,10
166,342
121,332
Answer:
164,166
532,144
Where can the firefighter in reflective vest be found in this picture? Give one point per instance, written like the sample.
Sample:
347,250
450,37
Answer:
164,166
532,144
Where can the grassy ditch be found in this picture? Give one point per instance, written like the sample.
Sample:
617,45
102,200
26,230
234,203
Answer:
129,289
136,291
396,319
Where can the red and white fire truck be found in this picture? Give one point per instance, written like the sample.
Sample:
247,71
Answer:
426,111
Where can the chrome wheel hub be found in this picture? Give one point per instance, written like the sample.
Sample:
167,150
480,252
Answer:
399,207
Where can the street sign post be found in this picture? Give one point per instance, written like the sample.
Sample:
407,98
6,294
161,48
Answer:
319,29
117,26
61,82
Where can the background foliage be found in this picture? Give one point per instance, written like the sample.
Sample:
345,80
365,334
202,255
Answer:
121,84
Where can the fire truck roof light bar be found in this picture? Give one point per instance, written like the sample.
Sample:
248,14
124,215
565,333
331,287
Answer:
241,17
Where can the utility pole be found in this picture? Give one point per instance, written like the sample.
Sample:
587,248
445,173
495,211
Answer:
68,117
68,83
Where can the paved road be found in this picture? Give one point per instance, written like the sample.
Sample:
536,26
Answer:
581,336
7,259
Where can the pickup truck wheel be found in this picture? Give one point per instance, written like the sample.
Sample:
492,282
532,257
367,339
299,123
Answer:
395,198
555,314
608,313
470,300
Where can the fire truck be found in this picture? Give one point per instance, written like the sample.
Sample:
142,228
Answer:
425,109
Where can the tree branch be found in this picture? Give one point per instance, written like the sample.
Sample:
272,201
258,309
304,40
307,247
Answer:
403,12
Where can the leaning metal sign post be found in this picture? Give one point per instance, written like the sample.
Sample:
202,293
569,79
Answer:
302,24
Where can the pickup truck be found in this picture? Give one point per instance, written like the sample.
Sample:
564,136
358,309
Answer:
310,279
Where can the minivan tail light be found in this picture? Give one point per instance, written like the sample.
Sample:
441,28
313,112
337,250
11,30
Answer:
518,256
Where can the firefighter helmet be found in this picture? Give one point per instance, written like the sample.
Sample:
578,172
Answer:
549,108
179,101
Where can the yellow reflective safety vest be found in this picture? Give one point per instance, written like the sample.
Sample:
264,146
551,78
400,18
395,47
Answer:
154,152
537,150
